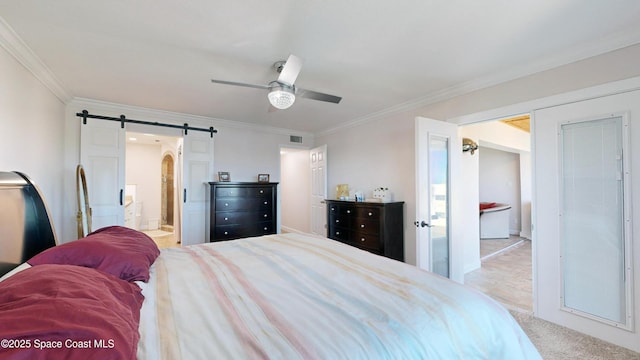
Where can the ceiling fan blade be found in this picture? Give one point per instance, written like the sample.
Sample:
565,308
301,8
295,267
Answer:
240,84
309,94
290,70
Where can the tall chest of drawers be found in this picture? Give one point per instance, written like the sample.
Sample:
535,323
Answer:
242,209
375,227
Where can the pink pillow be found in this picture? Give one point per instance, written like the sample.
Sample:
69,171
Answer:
68,312
116,250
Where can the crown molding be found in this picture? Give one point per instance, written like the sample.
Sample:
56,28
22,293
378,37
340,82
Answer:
11,42
606,44
150,114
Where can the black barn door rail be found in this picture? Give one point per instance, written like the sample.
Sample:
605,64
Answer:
122,119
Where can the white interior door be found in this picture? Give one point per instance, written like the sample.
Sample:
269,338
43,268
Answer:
197,162
102,154
584,273
439,244
318,168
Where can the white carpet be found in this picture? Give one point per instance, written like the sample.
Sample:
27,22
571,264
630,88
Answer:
555,342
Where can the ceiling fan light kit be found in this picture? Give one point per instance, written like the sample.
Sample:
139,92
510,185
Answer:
282,92
281,96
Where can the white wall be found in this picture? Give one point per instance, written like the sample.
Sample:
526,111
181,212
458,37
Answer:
246,152
295,187
470,197
500,182
526,194
32,135
143,169
377,154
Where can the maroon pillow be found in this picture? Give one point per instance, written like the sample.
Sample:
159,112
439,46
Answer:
117,250
68,312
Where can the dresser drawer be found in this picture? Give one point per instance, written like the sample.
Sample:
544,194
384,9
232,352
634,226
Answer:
262,191
236,231
227,232
339,221
344,211
264,228
370,226
368,212
240,204
241,217
340,234
366,240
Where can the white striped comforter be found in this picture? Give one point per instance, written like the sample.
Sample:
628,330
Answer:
290,296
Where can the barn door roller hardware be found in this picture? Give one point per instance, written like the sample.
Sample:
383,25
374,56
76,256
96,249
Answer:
122,119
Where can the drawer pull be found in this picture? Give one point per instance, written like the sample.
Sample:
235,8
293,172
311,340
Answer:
370,214
261,191
266,215
265,228
337,232
333,209
348,211
337,220
226,204
266,202
226,233
362,239
362,226
225,219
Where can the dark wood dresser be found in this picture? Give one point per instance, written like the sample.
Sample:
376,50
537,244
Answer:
242,209
375,227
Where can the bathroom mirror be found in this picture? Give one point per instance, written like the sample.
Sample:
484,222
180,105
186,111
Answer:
84,210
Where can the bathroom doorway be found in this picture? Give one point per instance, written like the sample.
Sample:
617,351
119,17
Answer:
151,174
167,193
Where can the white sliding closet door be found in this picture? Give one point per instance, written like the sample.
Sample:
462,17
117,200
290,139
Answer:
102,154
197,162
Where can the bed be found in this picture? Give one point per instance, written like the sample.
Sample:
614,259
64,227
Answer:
114,295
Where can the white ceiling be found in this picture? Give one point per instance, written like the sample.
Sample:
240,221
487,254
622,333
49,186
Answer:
378,55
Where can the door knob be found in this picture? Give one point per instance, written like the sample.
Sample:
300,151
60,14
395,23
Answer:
421,224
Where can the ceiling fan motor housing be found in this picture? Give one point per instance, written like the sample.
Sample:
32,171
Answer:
279,65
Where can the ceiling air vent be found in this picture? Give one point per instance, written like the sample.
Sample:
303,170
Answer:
295,139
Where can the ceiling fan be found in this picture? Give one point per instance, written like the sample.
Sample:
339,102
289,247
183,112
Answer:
283,92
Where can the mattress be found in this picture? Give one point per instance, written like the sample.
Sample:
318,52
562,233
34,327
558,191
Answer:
293,296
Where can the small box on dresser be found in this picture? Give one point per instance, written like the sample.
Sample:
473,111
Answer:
242,209
375,227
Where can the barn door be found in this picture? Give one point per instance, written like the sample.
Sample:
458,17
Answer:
197,171
102,154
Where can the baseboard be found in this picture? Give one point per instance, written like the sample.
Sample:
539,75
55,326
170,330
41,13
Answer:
473,266
286,229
